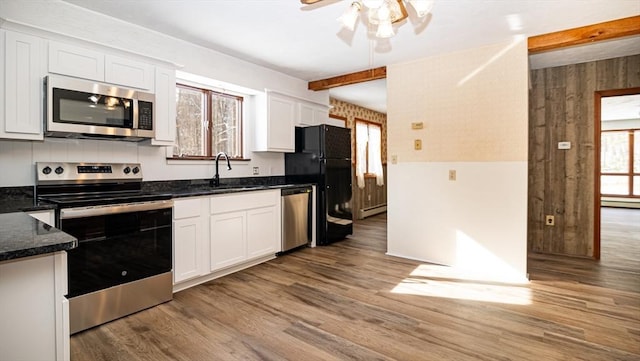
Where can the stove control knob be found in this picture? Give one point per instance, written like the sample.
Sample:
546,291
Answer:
127,170
59,170
46,170
136,170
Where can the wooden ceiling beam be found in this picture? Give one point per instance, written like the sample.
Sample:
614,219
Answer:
347,79
585,34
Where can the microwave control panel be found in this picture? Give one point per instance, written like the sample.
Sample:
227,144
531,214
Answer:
145,115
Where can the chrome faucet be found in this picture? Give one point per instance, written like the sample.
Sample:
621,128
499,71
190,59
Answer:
215,182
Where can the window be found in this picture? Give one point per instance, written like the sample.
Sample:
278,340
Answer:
207,122
619,163
368,152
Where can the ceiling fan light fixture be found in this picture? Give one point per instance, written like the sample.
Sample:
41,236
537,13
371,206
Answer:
349,18
422,7
385,30
373,4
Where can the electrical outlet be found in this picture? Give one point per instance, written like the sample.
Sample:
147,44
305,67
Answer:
452,174
549,220
394,159
256,170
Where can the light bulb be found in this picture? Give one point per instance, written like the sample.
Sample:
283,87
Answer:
349,18
372,4
422,7
385,29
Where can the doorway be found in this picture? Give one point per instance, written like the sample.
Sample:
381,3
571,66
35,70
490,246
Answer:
617,157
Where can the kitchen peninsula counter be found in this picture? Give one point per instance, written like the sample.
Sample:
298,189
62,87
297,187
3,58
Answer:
23,236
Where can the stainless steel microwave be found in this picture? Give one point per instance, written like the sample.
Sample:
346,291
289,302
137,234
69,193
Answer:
78,108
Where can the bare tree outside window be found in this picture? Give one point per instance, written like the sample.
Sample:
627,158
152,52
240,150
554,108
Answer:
207,123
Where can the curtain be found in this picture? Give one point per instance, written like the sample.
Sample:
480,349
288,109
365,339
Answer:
362,136
375,156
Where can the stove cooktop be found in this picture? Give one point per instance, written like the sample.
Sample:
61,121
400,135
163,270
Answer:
93,199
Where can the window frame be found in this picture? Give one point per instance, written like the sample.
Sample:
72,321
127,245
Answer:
369,123
207,93
630,170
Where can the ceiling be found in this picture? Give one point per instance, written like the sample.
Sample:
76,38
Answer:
308,43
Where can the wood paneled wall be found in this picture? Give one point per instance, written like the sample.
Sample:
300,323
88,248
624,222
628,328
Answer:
561,182
371,194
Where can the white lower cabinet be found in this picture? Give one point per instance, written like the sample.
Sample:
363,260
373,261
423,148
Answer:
189,254
263,232
228,239
33,308
220,234
243,227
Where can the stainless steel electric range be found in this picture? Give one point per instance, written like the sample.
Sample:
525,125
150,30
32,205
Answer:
123,260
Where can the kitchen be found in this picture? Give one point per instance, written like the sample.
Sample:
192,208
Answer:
18,157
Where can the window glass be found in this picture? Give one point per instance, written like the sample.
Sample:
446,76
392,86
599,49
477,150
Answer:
636,152
614,152
636,185
190,123
614,185
207,123
368,152
226,128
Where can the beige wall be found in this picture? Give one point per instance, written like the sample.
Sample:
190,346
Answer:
474,108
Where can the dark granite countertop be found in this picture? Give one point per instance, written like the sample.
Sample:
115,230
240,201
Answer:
200,187
22,236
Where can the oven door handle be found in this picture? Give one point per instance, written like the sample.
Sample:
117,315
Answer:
93,211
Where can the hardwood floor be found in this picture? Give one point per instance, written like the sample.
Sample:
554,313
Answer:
350,301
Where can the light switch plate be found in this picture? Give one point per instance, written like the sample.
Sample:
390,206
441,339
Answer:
417,125
417,144
394,159
452,174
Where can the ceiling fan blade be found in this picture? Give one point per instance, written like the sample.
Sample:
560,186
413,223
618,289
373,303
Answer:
309,2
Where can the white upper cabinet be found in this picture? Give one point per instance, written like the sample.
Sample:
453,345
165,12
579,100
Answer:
128,72
75,61
22,71
275,124
165,107
310,114
90,64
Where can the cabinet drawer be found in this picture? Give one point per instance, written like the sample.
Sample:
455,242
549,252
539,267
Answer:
186,208
243,201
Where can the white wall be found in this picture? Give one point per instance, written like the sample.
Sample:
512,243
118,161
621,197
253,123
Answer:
474,108
61,21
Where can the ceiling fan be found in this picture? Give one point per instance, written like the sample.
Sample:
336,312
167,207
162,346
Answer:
382,13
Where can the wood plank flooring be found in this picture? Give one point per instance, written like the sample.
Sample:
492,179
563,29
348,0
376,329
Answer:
350,301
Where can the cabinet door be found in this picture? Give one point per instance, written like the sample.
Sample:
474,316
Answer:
47,217
165,107
128,72
262,232
23,73
228,239
306,115
76,61
187,255
281,114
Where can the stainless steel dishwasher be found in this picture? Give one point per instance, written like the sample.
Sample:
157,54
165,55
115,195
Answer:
295,217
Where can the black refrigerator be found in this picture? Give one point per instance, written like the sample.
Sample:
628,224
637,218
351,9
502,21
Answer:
323,156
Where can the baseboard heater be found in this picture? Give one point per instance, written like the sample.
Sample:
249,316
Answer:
371,211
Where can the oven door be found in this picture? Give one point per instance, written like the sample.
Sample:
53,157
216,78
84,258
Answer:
117,244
